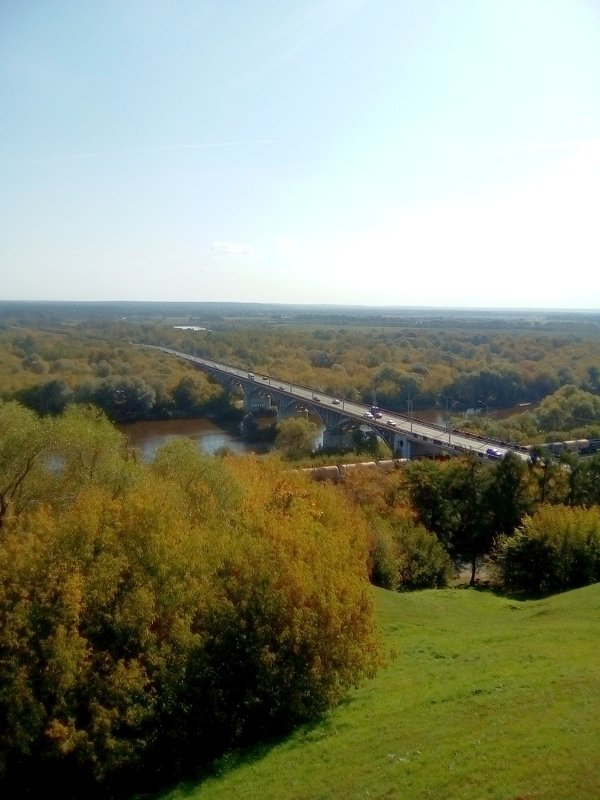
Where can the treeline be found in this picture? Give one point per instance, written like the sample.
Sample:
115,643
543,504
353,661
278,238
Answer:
153,616
128,398
497,368
48,372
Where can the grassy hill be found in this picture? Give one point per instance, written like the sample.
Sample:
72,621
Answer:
482,697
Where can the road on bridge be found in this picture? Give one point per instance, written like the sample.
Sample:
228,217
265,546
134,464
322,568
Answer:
414,429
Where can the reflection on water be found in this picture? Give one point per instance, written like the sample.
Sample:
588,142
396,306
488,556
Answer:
148,437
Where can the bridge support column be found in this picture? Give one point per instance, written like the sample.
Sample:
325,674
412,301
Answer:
255,400
401,446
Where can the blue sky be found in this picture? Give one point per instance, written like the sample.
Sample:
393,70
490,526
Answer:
373,152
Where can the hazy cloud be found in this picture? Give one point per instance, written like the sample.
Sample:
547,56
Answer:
231,248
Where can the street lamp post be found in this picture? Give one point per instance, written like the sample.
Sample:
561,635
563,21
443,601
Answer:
410,403
411,406
447,399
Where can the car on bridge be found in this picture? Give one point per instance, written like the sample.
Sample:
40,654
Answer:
368,415
316,399
335,401
494,452
392,423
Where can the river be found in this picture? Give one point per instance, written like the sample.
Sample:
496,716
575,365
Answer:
147,437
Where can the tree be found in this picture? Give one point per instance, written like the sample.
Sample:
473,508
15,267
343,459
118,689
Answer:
23,439
423,562
208,485
568,408
584,481
467,485
510,494
427,488
86,448
295,437
124,398
551,479
144,633
47,398
189,396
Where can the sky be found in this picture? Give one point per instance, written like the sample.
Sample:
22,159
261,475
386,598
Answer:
437,153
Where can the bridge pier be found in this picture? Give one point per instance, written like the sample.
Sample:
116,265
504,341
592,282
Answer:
335,439
255,399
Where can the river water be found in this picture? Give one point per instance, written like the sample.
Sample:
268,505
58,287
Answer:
147,437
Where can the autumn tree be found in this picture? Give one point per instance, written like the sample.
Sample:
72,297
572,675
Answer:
154,616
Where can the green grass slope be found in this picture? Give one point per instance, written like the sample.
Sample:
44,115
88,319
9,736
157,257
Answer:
485,697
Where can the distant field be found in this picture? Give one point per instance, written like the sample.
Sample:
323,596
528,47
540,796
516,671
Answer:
486,698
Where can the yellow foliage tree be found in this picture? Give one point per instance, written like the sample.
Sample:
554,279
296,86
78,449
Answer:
144,631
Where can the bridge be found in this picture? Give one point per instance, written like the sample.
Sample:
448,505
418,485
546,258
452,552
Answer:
406,436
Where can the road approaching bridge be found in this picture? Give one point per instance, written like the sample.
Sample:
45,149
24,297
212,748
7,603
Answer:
406,435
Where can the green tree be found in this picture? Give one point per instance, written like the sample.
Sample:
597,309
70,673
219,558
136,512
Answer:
584,481
467,486
124,398
509,494
427,489
423,561
295,437
568,408
47,398
189,396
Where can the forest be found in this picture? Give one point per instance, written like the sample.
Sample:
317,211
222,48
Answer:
157,615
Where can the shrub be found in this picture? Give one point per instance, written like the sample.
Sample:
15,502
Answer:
425,564
405,557
557,548
384,558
